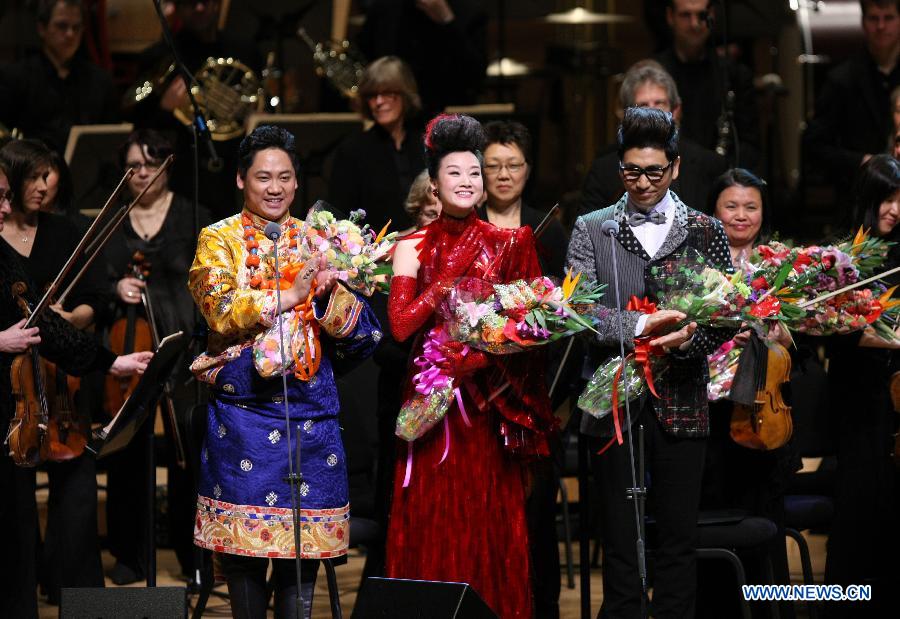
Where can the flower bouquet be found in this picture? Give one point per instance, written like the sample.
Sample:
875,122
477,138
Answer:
354,250
434,390
509,318
597,397
827,285
712,298
723,366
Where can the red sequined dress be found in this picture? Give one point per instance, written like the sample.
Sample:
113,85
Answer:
463,519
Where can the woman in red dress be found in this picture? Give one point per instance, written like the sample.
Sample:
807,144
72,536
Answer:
458,510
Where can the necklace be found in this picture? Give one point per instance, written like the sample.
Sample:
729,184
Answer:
252,244
147,226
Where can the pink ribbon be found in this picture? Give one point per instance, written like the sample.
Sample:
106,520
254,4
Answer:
432,375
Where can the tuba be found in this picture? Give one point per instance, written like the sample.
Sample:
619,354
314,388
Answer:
227,92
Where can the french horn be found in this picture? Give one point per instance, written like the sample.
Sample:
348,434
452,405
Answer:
226,90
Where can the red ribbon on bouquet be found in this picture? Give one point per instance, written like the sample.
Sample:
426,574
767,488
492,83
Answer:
643,354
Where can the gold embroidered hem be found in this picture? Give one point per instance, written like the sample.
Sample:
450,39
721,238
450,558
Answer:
255,531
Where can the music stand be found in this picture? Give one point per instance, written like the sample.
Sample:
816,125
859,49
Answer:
127,424
317,137
92,154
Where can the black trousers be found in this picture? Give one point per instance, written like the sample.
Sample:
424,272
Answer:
674,468
71,553
18,552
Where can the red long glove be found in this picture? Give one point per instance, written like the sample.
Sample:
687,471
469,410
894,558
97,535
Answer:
407,312
458,364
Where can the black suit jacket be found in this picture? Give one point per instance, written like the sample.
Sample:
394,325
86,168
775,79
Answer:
853,118
699,168
682,408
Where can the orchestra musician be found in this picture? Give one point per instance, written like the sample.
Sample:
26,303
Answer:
46,93
863,538
42,243
160,230
77,354
736,476
198,39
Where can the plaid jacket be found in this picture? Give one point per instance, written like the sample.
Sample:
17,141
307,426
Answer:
681,380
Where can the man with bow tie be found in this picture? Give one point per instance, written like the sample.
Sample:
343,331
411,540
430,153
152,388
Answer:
656,232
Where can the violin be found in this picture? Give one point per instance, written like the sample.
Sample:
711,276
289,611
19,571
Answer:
28,427
67,432
136,333
767,423
32,435
127,335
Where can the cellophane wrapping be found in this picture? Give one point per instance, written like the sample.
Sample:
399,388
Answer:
597,397
422,412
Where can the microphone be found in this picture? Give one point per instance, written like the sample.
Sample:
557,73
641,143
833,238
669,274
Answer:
610,227
272,231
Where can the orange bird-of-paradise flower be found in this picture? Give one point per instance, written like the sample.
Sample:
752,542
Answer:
885,299
569,284
383,232
858,240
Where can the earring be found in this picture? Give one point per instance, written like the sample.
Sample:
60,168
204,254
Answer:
434,192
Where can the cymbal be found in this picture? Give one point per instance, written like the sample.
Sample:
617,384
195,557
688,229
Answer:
580,16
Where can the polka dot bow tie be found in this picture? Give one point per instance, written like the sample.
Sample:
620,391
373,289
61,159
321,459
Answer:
639,219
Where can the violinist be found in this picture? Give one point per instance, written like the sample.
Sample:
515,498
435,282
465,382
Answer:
863,541
77,354
41,243
736,476
160,228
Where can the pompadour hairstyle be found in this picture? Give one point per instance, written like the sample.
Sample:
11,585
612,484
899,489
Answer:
644,127
452,133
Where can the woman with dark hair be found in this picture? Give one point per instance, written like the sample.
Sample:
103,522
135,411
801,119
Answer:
45,240
161,228
736,476
374,169
507,168
34,246
738,198
863,541
458,511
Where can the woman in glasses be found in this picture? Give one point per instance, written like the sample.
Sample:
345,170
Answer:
161,228
507,167
373,170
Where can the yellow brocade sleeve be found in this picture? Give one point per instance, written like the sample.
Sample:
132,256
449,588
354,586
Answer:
213,281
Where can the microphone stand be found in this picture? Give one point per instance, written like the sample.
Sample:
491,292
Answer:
294,478
636,493
199,129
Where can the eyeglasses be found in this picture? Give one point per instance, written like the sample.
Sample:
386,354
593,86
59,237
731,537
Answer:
633,173
391,94
514,167
150,166
7,195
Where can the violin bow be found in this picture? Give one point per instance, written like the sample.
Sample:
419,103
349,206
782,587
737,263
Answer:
92,241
